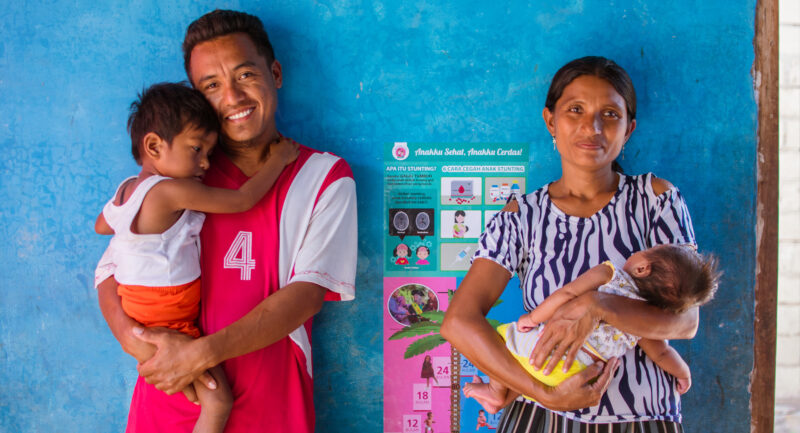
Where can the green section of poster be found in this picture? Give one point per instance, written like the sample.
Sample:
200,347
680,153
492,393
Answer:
438,199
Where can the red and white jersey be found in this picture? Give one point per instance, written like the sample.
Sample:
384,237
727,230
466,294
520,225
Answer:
304,229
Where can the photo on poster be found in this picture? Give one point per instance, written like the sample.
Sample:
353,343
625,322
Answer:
428,244
499,189
461,224
461,190
456,256
407,303
411,222
417,365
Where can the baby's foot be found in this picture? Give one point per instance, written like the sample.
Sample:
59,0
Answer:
484,394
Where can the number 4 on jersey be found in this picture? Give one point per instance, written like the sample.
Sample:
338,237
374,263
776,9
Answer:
240,255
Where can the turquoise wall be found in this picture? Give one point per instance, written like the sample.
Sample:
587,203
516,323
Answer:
357,74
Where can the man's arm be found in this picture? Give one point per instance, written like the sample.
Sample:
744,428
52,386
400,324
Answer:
179,361
122,326
324,263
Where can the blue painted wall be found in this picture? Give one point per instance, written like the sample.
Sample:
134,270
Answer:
356,74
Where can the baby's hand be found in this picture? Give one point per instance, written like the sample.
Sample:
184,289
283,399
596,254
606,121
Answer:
285,150
526,323
684,383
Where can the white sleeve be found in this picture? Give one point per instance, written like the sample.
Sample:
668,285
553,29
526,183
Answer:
329,250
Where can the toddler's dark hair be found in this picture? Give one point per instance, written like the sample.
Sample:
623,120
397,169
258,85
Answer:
167,109
679,278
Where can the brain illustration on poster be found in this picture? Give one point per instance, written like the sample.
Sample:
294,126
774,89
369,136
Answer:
438,199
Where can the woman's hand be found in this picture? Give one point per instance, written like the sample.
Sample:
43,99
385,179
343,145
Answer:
565,332
544,311
581,390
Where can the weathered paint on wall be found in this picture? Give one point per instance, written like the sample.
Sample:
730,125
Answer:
356,74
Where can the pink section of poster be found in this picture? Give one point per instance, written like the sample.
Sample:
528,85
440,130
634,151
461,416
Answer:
416,390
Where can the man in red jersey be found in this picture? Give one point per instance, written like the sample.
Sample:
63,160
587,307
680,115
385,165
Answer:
265,272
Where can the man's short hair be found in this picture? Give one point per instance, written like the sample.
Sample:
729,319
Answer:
224,22
167,109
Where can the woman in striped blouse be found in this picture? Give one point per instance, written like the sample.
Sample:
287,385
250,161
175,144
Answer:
593,213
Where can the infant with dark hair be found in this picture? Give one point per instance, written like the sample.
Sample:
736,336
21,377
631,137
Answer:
672,277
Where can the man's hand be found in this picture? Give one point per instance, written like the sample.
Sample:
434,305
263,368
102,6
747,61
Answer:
581,390
565,333
179,359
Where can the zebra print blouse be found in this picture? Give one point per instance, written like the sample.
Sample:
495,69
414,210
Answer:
547,249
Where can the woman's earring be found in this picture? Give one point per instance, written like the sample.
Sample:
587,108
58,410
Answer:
623,151
554,143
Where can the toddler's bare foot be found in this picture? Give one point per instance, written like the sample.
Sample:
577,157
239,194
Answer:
485,394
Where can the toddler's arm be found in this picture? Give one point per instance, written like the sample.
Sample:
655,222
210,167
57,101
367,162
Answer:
586,282
666,357
120,323
101,227
181,194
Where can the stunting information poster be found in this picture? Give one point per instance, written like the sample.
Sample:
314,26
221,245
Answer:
437,200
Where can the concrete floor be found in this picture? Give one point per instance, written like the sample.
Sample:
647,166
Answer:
787,416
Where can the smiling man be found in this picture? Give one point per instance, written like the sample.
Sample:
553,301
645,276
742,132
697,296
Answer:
265,272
